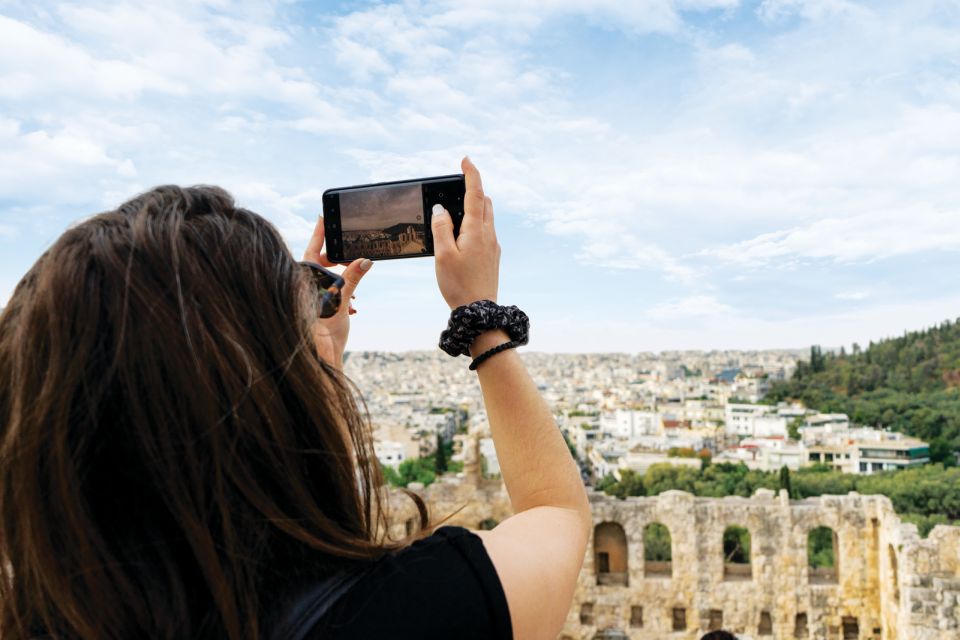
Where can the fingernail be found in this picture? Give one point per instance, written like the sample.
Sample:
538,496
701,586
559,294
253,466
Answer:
438,210
320,218
365,264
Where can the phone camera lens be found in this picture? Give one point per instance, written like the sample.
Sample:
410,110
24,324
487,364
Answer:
440,195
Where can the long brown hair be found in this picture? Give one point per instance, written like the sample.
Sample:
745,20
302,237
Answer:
172,449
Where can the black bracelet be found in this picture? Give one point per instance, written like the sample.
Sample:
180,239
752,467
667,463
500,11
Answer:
513,344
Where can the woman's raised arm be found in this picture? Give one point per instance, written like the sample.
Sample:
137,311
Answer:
538,552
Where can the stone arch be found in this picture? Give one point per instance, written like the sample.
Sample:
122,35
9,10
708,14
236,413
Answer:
736,554
610,553
657,551
894,576
823,556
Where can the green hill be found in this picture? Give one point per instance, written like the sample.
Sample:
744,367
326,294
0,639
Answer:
910,384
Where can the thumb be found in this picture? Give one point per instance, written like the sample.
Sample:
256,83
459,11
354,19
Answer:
351,277
441,224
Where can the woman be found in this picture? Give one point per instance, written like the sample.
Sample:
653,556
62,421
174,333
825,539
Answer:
182,457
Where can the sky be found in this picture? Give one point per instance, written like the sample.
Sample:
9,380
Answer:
666,174
380,208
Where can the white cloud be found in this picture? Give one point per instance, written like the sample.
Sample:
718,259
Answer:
852,295
864,238
691,307
857,323
34,63
294,215
773,10
34,160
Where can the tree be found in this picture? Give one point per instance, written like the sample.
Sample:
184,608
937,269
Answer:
793,428
411,470
785,480
440,459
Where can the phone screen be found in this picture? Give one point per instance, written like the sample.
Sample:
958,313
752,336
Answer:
388,220
385,221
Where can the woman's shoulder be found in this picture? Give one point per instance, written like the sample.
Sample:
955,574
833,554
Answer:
440,586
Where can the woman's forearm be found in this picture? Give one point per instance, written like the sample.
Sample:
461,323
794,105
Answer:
536,464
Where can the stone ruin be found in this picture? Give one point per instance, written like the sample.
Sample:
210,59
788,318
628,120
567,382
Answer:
886,582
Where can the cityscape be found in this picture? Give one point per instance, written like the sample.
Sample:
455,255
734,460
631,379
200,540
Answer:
716,503
628,412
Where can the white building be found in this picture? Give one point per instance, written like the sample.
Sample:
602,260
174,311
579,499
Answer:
489,454
740,418
863,450
605,460
831,422
770,454
389,453
769,426
627,424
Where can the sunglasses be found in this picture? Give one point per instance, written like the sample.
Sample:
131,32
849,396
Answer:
328,285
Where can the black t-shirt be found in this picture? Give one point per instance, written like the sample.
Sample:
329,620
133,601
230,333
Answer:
442,586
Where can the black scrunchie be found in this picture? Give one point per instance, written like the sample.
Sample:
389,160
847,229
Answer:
470,320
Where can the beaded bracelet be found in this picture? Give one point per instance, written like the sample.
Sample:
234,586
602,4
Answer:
513,344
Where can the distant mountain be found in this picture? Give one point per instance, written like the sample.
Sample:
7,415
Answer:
910,384
399,228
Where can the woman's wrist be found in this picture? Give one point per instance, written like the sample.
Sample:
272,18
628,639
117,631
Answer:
488,340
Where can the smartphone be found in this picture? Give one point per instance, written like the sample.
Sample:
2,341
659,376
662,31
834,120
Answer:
388,220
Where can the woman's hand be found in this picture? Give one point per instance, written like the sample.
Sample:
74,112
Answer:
468,267
330,334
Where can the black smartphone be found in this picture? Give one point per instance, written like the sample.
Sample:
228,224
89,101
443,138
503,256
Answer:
388,220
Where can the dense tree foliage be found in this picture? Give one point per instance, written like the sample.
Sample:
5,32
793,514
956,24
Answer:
910,384
820,550
424,470
657,545
411,470
736,545
927,495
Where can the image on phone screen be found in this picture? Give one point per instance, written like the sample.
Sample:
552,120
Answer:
387,221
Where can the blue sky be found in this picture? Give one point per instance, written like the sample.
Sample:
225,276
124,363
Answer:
667,174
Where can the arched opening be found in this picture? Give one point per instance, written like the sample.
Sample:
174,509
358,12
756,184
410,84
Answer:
679,619
893,574
822,556
636,616
800,626
715,620
736,554
851,628
765,628
610,553
586,613
657,551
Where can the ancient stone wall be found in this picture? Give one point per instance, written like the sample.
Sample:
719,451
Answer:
888,583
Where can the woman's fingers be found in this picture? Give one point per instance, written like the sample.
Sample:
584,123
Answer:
351,278
314,251
441,224
473,203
